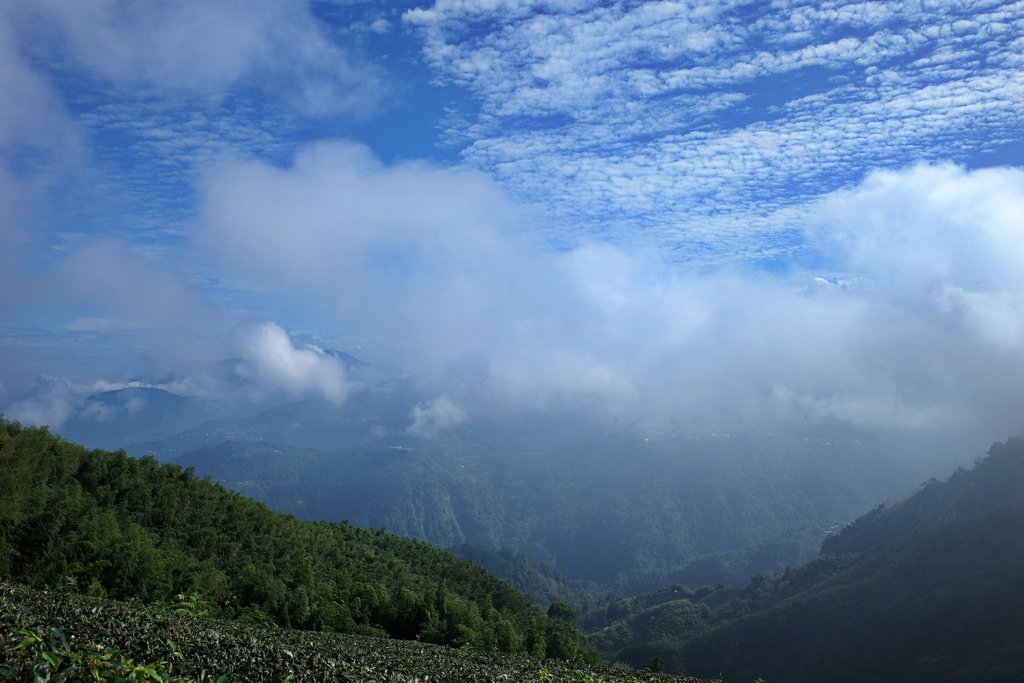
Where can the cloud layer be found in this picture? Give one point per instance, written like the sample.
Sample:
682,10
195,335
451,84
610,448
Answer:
700,124
911,319
692,214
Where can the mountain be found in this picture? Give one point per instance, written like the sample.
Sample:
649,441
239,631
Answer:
112,419
111,525
929,589
153,408
543,584
599,501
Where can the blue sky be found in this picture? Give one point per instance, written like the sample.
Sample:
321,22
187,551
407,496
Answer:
774,204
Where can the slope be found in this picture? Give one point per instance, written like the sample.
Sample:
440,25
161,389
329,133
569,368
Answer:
927,590
61,637
599,501
115,526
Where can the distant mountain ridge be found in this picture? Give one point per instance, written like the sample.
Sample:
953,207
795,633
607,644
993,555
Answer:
112,419
599,502
929,589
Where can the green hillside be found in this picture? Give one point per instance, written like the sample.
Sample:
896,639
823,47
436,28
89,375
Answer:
50,636
599,501
930,589
109,525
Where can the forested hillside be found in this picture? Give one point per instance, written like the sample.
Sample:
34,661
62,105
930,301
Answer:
107,524
929,589
627,508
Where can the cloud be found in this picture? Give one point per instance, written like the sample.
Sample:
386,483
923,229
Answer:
962,229
55,400
906,322
436,415
206,49
52,403
393,249
275,361
112,108
40,147
140,292
698,127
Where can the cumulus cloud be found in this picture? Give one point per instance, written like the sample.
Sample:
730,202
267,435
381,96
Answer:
909,322
434,416
280,365
398,251
928,225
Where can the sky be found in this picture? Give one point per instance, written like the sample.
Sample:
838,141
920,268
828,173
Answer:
693,213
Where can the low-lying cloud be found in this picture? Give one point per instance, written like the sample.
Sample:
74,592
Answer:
436,415
55,400
271,358
910,319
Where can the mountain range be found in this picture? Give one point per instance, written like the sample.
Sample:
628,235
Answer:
927,589
600,500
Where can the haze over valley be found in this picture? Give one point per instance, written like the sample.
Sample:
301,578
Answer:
618,299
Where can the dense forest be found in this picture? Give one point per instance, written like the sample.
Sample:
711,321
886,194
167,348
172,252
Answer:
929,589
109,525
628,508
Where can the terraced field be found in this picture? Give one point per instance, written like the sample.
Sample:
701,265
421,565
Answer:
57,636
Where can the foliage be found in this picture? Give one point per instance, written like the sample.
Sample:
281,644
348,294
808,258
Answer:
928,589
98,639
542,583
629,510
133,529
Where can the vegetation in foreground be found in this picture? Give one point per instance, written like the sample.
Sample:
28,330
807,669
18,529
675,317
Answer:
56,636
109,525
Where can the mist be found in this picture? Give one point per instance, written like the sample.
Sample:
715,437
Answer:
246,223
638,289
909,321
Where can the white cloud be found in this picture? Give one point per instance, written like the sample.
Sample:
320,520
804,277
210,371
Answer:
39,147
282,366
206,49
434,416
962,229
52,403
916,332
657,123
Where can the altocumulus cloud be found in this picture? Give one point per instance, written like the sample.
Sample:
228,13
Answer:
675,117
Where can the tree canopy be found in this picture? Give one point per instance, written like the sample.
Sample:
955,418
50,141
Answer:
107,524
